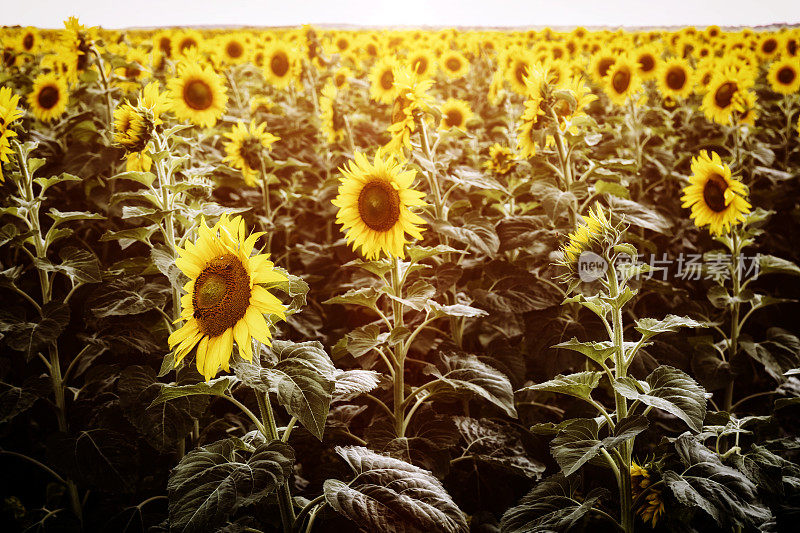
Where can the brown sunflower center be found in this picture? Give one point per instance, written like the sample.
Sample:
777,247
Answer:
48,97
452,64
387,80
769,46
132,72
339,80
279,64
198,95
165,45
342,44
251,153
647,62
621,80
187,43
604,65
234,49
420,65
520,72
714,193
676,78
372,50
791,47
221,295
453,118
786,75
379,205
724,94
27,41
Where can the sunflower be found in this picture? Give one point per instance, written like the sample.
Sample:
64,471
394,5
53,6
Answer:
621,80
186,40
422,62
769,47
29,40
647,62
232,48
131,128
784,75
600,65
134,71
245,149
381,79
501,159
48,100
455,114
517,73
280,64
260,104
588,236
225,300
9,113
675,78
332,121
653,506
375,201
531,130
724,95
716,198
197,94
454,64
341,79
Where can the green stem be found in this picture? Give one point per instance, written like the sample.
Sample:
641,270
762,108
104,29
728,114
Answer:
734,338
433,181
399,352
566,168
271,433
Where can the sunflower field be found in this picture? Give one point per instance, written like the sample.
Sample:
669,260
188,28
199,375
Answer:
309,279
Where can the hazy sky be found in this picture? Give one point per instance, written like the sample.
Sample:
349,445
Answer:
120,14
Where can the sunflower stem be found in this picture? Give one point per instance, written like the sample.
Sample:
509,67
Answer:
733,345
399,352
104,83
566,168
271,433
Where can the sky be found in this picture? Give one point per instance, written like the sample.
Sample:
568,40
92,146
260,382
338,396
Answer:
149,13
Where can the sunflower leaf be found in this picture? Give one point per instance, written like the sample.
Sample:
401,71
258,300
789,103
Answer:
212,482
215,387
392,496
579,385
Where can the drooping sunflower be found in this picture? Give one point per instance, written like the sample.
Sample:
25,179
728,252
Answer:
381,79
586,237
501,159
784,75
131,128
652,507
455,114
622,80
675,78
332,121
454,64
375,204
225,299
246,147
9,113
531,130
716,199
197,94
280,64
49,96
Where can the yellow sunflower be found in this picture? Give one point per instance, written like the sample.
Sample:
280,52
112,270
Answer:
586,235
501,159
454,64
647,62
341,79
260,104
455,114
652,507
622,80
381,79
232,48
280,64
531,130
9,113
29,40
198,94
784,75
422,62
185,41
375,201
245,150
130,75
716,199
724,95
769,47
675,78
48,100
225,300
131,128
601,63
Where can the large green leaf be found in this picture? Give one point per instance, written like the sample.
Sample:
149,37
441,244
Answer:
462,372
128,296
552,505
392,496
211,482
596,351
579,385
670,390
215,387
649,327
721,491
30,337
366,297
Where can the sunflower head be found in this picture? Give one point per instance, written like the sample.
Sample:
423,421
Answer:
197,94
226,298
651,509
132,127
501,159
455,114
621,80
48,99
375,204
784,75
247,148
717,199
675,78
595,234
